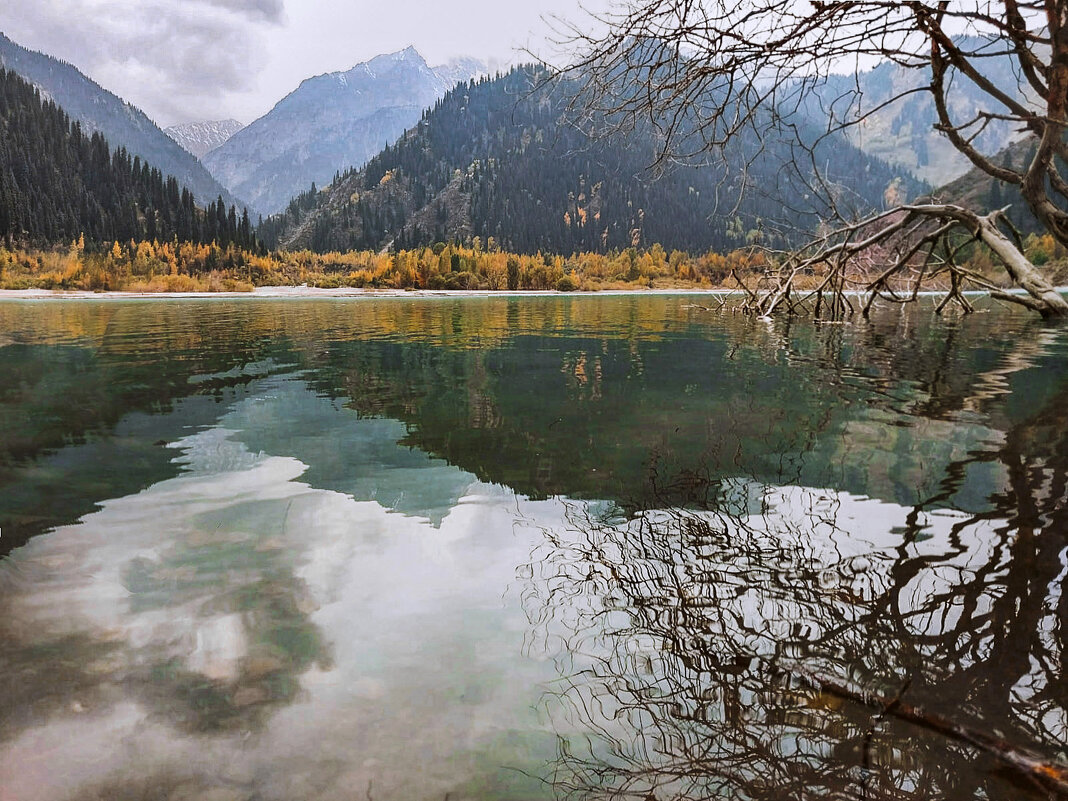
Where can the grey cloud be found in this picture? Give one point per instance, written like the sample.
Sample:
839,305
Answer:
269,10
173,58
181,60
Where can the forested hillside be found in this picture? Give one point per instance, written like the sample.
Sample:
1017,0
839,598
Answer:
57,184
495,159
100,111
980,191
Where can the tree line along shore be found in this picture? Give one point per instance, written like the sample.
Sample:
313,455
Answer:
145,266
151,266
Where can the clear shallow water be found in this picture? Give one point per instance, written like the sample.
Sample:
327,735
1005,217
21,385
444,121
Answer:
527,548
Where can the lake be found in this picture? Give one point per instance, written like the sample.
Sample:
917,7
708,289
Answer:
627,547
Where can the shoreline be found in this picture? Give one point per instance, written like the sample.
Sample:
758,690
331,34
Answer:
308,292
357,293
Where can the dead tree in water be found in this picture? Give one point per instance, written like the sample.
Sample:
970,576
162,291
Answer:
706,72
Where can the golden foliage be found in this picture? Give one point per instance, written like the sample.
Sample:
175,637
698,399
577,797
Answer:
186,267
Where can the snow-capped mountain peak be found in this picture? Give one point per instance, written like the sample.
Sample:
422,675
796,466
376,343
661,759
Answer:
200,138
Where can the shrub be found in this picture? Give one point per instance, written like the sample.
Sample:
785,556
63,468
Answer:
567,284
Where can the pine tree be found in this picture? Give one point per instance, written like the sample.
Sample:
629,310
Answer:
57,184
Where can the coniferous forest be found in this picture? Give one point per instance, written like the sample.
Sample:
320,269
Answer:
500,158
493,189
58,184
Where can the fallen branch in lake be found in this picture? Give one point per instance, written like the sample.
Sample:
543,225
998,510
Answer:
1050,776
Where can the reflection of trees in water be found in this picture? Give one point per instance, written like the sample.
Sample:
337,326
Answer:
693,643
549,396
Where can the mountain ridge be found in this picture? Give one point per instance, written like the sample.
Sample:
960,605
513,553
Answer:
494,160
903,133
59,184
329,123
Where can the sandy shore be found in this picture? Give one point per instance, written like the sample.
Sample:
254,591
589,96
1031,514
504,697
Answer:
305,292
272,292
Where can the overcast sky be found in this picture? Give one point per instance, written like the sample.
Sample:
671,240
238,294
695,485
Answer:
185,60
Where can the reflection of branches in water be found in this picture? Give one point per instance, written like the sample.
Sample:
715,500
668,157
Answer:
688,639
674,621
900,364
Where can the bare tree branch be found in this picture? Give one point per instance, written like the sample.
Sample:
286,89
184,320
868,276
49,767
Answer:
708,73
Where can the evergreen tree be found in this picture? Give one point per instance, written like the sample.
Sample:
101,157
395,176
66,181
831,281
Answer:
57,184
496,158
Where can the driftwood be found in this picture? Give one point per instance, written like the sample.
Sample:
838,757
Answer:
1048,775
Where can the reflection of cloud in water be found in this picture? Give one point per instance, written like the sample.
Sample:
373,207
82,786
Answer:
237,630
359,457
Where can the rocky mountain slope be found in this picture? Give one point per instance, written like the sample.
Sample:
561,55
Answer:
200,138
977,190
903,133
328,124
464,68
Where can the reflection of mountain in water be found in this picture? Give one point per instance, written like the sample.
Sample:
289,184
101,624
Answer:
771,642
582,397
882,504
360,457
175,593
236,627
593,418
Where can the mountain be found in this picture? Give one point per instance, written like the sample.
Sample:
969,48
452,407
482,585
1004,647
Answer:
496,159
903,132
200,138
329,123
58,184
100,111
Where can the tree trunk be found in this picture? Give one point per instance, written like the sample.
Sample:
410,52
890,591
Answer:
1047,301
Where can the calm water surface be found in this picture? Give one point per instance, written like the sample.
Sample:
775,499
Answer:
539,548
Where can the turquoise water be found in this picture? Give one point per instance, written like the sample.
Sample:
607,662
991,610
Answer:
601,547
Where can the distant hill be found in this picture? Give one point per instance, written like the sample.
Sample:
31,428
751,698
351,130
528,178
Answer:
903,133
494,159
100,111
200,138
328,124
58,184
